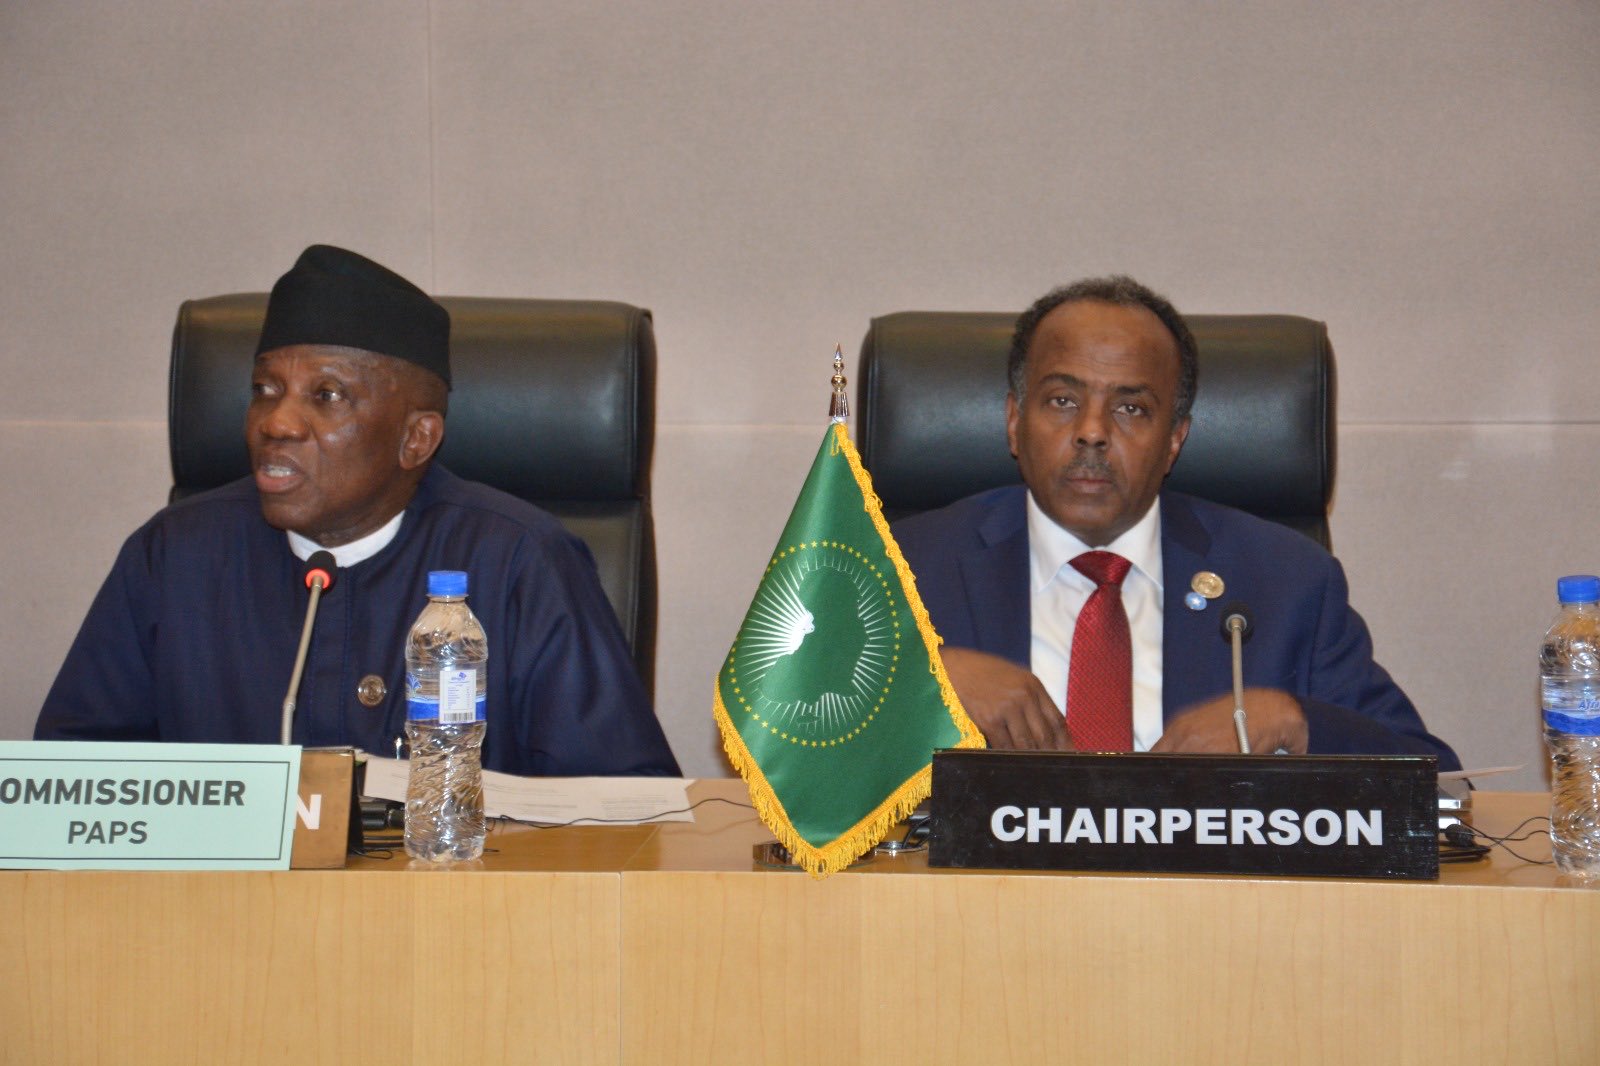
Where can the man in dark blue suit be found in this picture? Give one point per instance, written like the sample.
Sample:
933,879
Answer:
1102,378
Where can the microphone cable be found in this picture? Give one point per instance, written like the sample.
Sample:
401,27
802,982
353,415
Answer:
382,844
1460,842
620,821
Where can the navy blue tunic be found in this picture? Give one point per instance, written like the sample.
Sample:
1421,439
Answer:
193,636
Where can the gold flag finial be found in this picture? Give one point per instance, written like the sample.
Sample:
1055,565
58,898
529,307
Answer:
839,406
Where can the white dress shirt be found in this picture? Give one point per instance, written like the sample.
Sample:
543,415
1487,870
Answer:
1059,592
354,552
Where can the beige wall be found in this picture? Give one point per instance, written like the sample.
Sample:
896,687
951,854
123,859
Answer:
768,177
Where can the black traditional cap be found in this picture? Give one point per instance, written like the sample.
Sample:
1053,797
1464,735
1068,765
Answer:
333,296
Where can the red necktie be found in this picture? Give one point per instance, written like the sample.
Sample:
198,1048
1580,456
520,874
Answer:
1100,677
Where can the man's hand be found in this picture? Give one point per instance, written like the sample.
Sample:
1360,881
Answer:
1005,701
1273,720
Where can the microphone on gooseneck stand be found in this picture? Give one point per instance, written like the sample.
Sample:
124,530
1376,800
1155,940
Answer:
320,572
1236,628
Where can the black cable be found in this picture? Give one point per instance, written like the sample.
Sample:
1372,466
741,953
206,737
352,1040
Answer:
384,847
621,821
1460,843
378,849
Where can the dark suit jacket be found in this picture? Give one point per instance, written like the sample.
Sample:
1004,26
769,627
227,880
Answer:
971,564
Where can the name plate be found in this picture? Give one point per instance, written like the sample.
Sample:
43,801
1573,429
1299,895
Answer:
89,805
1319,816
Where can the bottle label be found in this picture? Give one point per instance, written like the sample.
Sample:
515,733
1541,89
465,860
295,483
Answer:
458,701
1578,725
1577,713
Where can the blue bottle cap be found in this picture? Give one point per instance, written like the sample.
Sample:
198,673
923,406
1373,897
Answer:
447,582
1578,588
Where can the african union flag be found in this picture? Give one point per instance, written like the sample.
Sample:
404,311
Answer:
833,697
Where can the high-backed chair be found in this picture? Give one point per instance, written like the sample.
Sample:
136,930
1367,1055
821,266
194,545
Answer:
932,399
553,401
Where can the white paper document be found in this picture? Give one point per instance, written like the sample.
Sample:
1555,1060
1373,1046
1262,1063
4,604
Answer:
556,800
1487,771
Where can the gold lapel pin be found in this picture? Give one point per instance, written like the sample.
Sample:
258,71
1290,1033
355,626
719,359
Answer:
1203,588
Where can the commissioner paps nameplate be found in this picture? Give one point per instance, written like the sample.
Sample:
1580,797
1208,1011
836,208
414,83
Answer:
108,806
1324,816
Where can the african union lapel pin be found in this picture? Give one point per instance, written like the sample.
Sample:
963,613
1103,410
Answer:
1203,587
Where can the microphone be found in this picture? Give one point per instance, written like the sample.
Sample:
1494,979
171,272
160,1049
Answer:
320,573
1237,617
1237,626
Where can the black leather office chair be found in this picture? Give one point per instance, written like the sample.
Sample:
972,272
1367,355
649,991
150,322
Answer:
553,401
932,398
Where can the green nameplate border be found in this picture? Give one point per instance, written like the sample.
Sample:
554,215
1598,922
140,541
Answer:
89,805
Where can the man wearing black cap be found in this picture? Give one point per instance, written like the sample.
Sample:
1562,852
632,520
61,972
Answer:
192,634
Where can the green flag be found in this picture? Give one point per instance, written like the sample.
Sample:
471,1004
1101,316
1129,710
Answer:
833,697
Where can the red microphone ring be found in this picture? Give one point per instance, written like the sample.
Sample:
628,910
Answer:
312,575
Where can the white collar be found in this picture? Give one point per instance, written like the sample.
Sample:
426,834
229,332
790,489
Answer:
1050,547
354,552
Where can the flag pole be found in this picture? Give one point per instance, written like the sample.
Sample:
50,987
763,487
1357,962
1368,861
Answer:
839,406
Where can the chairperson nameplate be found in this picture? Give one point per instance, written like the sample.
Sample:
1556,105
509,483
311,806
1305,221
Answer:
88,805
1295,815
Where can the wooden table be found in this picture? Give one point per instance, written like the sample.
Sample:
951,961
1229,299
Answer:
665,944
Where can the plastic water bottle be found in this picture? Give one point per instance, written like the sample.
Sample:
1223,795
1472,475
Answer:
1569,674
447,668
